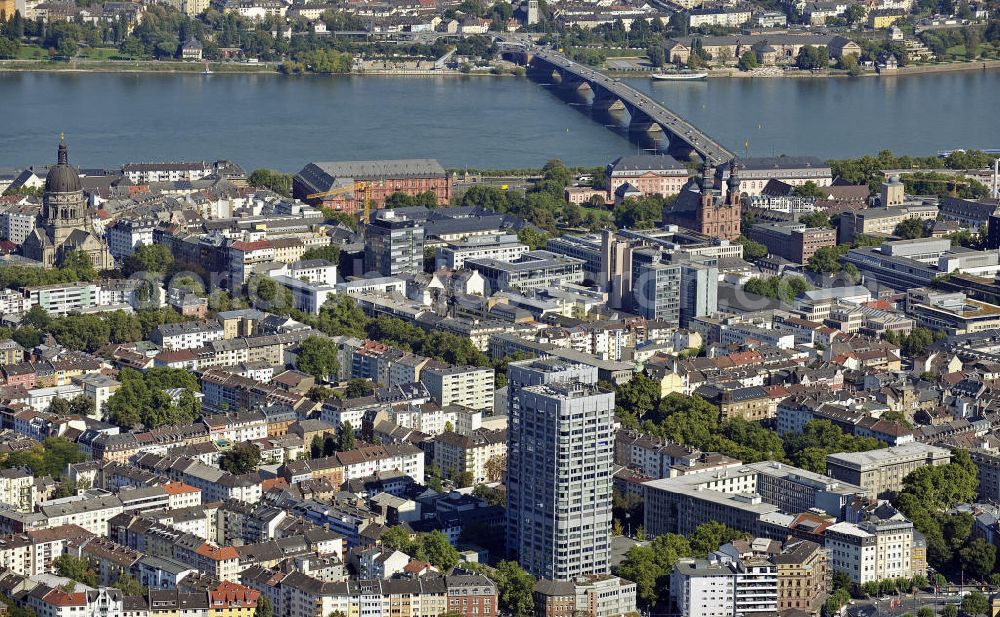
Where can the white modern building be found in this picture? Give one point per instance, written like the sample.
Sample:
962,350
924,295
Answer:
502,247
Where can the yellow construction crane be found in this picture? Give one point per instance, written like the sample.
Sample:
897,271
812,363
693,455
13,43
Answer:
364,187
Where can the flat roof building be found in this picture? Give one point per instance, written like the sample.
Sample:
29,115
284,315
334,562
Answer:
882,471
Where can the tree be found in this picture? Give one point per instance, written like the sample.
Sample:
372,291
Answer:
975,603
464,479
243,458
329,253
849,63
345,438
66,488
319,357
434,547
978,558
752,250
949,610
75,568
341,316
357,388
515,589
396,538
781,288
854,14
316,447
925,611
58,406
649,566
155,258
82,405
748,61
264,607
709,536
811,189
811,58
637,398
276,181
826,259
131,587
910,229
657,54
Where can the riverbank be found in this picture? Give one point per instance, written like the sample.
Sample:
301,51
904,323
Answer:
916,69
126,66
161,67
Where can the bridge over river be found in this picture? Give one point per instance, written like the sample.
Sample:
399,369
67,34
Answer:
610,95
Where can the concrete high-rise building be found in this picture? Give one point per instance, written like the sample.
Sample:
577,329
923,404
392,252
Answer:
699,294
655,286
394,244
673,287
560,454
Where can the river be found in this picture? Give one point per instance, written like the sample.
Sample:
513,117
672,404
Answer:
266,120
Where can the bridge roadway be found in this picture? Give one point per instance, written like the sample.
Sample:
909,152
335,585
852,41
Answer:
646,114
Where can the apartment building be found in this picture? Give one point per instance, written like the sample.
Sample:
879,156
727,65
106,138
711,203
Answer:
91,512
560,455
739,497
803,576
988,467
724,586
879,548
371,460
502,247
532,270
18,222
17,489
585,596
456,454
187,334
298,594
468,386
63,298
883,471
144,173
751,403
126,234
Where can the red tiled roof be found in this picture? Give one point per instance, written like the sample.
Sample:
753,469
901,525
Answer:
217,553
179,488
58,597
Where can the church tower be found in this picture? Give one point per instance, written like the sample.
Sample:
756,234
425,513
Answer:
733,184
66,224
64,206
716,216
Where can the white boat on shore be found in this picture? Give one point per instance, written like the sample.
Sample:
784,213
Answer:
689,76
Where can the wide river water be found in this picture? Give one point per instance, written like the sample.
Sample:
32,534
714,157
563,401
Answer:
273,121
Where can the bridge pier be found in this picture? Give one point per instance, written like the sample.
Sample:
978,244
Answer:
608,103
641,123
568,81
680,150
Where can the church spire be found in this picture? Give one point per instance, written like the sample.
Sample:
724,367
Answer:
707,182
733,183
63,155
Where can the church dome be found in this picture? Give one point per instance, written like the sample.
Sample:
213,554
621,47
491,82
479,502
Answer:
62,177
